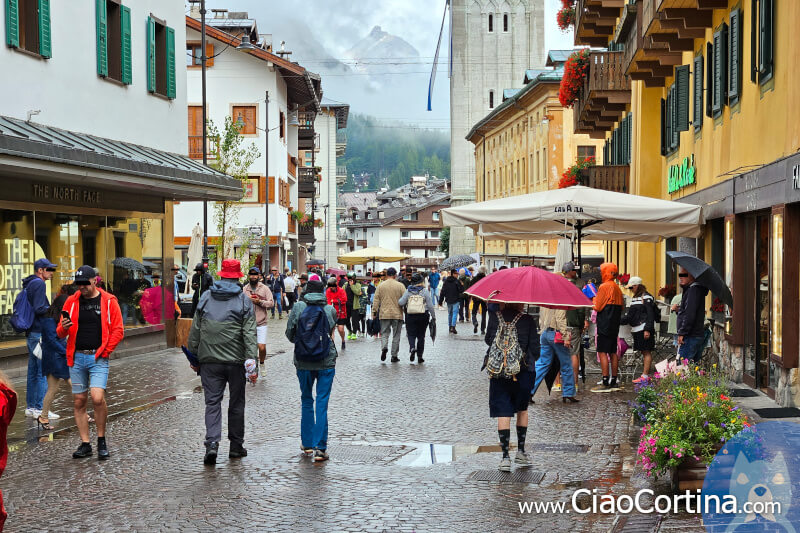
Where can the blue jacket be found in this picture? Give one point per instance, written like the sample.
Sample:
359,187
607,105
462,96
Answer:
37,296
433,279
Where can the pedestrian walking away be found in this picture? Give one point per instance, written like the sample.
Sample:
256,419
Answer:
35,290
223,336
451,294
310,327
556,342
337,298
608,304
463,308
479,305
386,307
642,317
261,298
513,341
577,322
201,282
92,324
419,308
691,317
275,284
353,291
289,289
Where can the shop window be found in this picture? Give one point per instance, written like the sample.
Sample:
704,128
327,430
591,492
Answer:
114,41
160,58
18,251
28,26
776,286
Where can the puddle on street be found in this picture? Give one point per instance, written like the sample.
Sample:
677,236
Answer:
428,453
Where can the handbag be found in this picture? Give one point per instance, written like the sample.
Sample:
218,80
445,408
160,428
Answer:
559,338
37,350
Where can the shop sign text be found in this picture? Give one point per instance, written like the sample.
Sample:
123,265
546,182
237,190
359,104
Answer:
66,193
796,178
20,254
681,175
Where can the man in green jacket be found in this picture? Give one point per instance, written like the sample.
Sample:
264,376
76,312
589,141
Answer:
223,336
314,422
576,320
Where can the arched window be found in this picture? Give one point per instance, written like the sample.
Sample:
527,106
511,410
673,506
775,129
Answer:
505,21
491,99
491,23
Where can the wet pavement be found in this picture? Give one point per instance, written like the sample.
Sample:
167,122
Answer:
412,449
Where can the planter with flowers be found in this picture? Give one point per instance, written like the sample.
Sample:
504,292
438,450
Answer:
623,279
718,311
297,215
667,292
576,68
566,15
687,417
577,174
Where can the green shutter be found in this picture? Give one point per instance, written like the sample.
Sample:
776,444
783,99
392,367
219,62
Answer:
102,38
735,56
698,93
674,122
151,55
630,139
171,89
766,20
12,23
682,97
716,106
663,128
125,56
45,48
709,79
754,38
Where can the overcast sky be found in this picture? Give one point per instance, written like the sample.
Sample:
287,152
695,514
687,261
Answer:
337,25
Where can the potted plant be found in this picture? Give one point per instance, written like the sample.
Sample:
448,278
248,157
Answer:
566,15
688,416
718,311
667,292
577,174
297,215
576,69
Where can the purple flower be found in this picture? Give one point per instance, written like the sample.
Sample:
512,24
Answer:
705,424
722,424
710,403
735,408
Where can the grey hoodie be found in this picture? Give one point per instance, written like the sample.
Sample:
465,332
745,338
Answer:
418,289
224,326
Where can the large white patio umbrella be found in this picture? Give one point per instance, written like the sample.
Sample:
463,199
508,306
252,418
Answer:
195,254
373,253
578,212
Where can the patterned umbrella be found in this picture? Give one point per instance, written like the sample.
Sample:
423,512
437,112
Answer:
456,261
128,264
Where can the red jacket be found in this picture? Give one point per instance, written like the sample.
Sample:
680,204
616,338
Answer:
113,329
338,299
8,404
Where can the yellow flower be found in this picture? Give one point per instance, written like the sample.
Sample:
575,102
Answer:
696,368
715,365
667,417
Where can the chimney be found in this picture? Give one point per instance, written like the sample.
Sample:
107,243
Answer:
194,9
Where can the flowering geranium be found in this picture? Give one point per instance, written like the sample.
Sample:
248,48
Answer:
717,306
667,291
566,15
576,69
573,176
686,415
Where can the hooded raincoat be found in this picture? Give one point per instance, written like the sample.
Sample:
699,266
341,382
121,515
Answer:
224,326
608,303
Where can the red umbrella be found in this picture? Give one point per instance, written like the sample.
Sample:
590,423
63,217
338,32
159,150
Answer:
336,272
529,285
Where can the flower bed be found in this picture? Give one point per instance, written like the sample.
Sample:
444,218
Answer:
576,69
687,417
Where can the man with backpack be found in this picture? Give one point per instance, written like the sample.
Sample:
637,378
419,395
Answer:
513,342
30,310
310,327
419,307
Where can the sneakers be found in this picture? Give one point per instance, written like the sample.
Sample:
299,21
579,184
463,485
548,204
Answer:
352,337
262,368
395,359
320,455
83,451
33,413
643,378
53,415
102,449
306,451
210,457
420,359
522,459
383,354
237,451
505,465
613,385
413,354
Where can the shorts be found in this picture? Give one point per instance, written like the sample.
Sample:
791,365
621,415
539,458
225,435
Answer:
86,372
508,397
261,334
342,322
640,344
606,344
575,341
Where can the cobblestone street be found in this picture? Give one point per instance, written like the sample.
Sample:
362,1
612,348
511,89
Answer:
386,422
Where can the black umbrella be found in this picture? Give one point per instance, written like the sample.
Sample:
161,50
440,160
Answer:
550,376
432,329
315,262
704,274
457,261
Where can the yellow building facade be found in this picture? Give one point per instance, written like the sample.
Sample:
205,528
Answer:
523,146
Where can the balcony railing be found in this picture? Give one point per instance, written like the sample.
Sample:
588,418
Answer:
421,261
605,93
341,170
306,182
595,21
420,243
609,177
196,147
305,233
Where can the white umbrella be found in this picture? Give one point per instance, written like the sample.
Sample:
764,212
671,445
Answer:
195,254
563,254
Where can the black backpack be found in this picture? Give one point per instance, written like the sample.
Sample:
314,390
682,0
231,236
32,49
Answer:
312,338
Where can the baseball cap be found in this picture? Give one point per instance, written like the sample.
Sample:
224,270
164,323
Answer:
253,270
43,263
569,266
84,275
635,280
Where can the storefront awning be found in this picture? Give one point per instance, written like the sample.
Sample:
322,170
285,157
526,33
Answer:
32,150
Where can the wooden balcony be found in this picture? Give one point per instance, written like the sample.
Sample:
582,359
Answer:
595,21
605,94
614,178
305,133
292,224
305,233
306,182
351,244
196,147
420,243
292,165
422,262
362,243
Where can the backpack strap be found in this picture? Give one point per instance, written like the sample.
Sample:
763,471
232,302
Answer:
516,318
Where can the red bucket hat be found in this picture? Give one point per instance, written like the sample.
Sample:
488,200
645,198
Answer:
231,268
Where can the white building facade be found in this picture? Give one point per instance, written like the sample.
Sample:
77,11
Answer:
492,42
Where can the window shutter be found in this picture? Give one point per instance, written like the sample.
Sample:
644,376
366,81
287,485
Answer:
209,55
682,98
663,128
171,81
754,38
630,139
127,58
45,48
716,106
709,79
12,23
674,122
765,45
735,56
271,190
698,93
151,55
102,38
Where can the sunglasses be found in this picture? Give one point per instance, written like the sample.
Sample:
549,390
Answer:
683,275
50,269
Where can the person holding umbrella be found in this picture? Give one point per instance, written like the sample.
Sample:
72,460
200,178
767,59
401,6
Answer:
419,307
691,317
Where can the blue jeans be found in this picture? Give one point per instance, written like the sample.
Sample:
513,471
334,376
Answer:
37,383
452,314
277,297
549,349
314,430
692,348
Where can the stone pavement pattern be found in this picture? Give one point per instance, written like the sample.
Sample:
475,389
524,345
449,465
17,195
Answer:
381,416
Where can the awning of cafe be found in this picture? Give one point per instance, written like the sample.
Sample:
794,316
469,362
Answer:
37,152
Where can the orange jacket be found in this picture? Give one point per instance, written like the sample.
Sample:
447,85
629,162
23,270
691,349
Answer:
609,292
111,318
